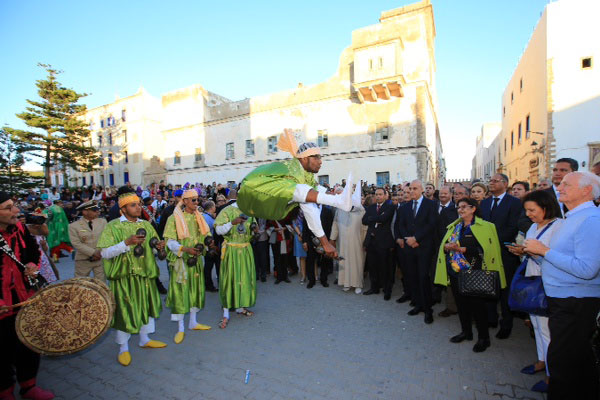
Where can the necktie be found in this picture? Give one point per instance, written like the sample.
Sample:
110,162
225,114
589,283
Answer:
441,209
414,208
378,208
495,203
90,225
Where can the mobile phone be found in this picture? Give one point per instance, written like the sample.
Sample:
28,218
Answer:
509,244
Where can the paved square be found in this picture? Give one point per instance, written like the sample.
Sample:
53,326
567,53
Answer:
322,343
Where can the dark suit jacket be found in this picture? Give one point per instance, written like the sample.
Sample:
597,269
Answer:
422,227
506,219
445,218
379,231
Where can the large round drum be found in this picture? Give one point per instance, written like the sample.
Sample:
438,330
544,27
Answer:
66,317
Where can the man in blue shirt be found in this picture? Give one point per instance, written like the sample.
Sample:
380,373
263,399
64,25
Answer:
571,276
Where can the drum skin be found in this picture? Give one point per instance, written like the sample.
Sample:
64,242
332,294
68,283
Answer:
66,317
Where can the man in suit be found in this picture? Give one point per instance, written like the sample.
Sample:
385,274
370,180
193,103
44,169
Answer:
415,234
379,243
562,167
84,234
503,210
447,214
312,256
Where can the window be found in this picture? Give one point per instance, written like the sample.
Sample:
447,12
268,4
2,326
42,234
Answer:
323,180
527,127
123,115
521,85
519,134
503,111
229,151
198,155
322,138
126,157
101,163
370,64
383,178
125,177
111,179
108,121
272,144
249,148
124,136
586,63
504,147
512,140
512,97
381,131
92,180
177,158
110,138
99,140
110,162
380,62
101,123
83,181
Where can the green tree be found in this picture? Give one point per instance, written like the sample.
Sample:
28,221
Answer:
61,136
12,158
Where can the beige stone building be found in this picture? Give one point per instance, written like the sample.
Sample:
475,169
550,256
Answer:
376,116
550,105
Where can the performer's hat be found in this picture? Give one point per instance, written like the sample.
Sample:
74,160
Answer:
178,193
287,142
88,205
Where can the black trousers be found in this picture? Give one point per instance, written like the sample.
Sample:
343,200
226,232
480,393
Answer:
16,357
573,373
313,257
401,262
280,260
417,267
469,309
261,258
381,268
510,263
209,263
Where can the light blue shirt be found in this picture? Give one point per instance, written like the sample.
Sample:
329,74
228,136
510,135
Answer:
210,221
419,201
571,268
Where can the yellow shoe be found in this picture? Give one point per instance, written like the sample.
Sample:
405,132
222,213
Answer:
124,358
154,344
200,327
179,337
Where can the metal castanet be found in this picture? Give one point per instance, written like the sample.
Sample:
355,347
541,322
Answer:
66,317
138,250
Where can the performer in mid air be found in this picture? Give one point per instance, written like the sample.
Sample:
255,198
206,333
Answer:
273,190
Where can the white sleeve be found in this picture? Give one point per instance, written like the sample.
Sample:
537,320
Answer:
113,251
174,246
223,229
312,213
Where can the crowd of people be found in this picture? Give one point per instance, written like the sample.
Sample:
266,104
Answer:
422,238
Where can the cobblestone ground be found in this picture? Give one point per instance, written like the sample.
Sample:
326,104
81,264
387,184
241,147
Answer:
321,343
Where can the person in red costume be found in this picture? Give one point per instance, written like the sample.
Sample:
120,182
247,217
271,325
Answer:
15,287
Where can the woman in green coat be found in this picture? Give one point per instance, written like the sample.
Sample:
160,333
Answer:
470,242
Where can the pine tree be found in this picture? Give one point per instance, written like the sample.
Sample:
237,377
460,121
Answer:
12,158
61,136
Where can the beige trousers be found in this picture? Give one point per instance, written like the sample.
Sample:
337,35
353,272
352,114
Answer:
84,267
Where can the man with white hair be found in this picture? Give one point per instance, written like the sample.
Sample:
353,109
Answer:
571,276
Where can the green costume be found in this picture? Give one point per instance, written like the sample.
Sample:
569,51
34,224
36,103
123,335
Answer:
58,226
267,191
485,233
237,278
186,284
131,278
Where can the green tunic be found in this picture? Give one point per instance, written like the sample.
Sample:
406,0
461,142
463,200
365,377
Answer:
131,278
189,293
237,278
58,226
267,191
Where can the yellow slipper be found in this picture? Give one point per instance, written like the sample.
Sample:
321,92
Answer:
154,344
124,358
200,327
179,337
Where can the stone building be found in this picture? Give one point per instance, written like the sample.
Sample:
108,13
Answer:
486,151
550,105
376,116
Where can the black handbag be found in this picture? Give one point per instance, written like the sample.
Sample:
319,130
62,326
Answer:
479,282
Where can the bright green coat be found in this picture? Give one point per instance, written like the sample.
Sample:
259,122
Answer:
486,235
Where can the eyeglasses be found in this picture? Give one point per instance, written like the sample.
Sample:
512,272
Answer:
194,200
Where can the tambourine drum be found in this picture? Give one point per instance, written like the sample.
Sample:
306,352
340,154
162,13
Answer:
66,317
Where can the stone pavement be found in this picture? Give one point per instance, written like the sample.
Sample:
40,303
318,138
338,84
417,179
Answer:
316,344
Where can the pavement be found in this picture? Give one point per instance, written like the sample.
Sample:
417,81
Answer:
321,343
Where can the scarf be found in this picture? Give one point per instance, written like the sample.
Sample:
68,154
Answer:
182,228
457,261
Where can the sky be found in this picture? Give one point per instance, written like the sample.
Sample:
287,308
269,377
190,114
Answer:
241,49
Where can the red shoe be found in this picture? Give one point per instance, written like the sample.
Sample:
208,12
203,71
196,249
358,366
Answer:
8,394
37,393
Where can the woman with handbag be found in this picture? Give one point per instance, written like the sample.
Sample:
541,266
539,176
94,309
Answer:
471,248
542,209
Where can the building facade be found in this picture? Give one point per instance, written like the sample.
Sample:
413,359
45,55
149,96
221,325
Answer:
485,161
376,117
550,105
